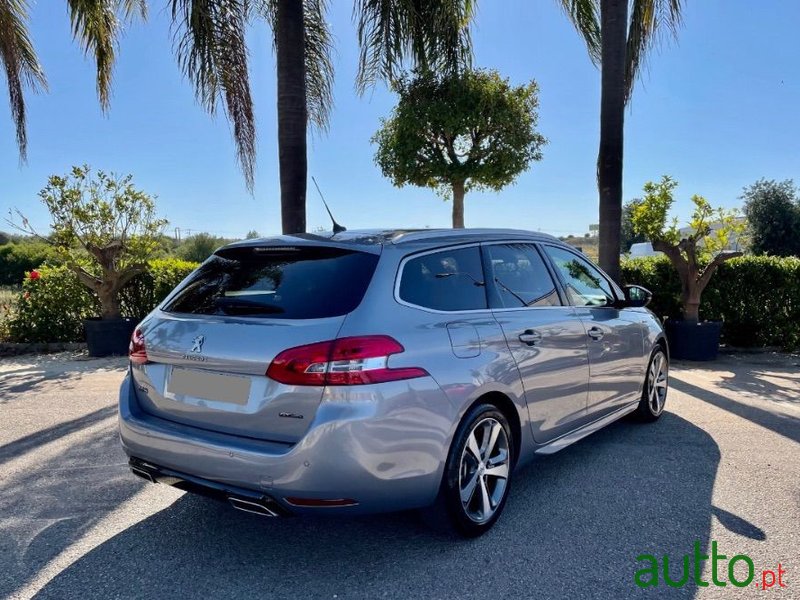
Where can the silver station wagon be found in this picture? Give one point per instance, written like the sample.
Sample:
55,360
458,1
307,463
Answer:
369,371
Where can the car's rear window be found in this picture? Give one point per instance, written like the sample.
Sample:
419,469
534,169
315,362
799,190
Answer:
278,283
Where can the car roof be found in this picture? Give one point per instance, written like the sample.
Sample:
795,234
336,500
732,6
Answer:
379,238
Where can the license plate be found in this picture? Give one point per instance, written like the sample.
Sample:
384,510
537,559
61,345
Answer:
209,386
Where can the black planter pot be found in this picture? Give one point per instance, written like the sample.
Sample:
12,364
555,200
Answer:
693,341
107,337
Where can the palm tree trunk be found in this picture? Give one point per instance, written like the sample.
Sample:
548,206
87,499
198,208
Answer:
292,114
458,205
614,33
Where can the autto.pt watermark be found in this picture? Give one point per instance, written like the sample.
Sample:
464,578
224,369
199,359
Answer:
738,571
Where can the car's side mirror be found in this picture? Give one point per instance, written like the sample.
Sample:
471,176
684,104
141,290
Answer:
636,296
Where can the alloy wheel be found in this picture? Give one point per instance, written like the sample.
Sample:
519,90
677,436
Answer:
484,470
657,383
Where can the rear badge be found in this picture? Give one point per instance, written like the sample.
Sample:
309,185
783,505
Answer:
289,415
197,344
195,352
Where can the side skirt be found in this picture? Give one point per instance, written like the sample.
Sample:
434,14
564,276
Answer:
573,436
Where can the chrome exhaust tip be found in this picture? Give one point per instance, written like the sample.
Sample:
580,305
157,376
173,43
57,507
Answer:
251,506
139,472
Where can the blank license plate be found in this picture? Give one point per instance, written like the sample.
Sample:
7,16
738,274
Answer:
209,386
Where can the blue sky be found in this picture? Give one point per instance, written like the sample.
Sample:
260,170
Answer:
717,110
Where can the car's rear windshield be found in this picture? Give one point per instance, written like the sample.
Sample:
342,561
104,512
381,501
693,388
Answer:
277,283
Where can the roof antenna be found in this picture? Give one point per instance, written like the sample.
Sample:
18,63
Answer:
336,227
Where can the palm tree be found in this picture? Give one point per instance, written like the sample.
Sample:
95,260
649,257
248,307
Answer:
210,45
619,42
212,52
96,24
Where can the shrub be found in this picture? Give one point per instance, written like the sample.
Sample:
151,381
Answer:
53,306
16,259
756,297
147,289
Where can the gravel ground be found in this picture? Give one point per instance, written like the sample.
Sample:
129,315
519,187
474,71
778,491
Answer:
723,464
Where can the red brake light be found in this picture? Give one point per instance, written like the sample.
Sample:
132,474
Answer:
137,353
346,361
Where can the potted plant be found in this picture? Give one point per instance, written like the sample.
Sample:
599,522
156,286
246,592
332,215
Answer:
695,252
105,230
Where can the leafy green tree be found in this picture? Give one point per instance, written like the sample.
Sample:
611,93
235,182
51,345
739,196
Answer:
773,213
198,247
628,236
695,256
619,41
103,229
252,235
96,25
456,132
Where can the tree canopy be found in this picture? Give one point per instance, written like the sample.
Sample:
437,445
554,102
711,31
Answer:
695,254
773,214
103,228
459,131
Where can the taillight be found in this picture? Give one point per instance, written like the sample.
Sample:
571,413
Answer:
137,352
346,361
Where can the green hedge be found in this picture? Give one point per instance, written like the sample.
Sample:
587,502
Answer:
756,297
16,259
52,308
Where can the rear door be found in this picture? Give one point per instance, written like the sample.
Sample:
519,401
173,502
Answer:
615,341
210,344
545,337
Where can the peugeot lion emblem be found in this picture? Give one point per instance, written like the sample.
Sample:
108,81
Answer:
197,344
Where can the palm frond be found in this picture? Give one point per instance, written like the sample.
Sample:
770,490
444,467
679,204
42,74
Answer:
649,18
133,8
585,17
96,27
210,45
319,66
428,34
20,64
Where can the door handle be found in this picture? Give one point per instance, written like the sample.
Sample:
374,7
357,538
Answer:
530,337
596,333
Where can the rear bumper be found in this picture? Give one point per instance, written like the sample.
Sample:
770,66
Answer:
383,446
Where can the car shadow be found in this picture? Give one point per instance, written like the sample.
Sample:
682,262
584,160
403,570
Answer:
47,505
573,527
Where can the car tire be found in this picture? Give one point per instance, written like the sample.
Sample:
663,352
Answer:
477,477
656,385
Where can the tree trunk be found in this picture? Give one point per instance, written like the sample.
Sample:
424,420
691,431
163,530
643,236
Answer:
614,34
458,205
109,302
690,298
292,114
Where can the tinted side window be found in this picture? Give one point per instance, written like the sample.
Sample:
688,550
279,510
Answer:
585,285
446,280
520,277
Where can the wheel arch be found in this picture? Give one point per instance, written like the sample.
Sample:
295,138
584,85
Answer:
510,411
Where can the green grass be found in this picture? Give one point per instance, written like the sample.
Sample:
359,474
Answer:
8,297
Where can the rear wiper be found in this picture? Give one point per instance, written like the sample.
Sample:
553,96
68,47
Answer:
510,291
239,306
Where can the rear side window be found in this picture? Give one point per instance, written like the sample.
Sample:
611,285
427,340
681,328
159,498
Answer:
447,280
279,283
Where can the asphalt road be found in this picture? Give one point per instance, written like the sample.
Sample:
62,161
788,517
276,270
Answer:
723,464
